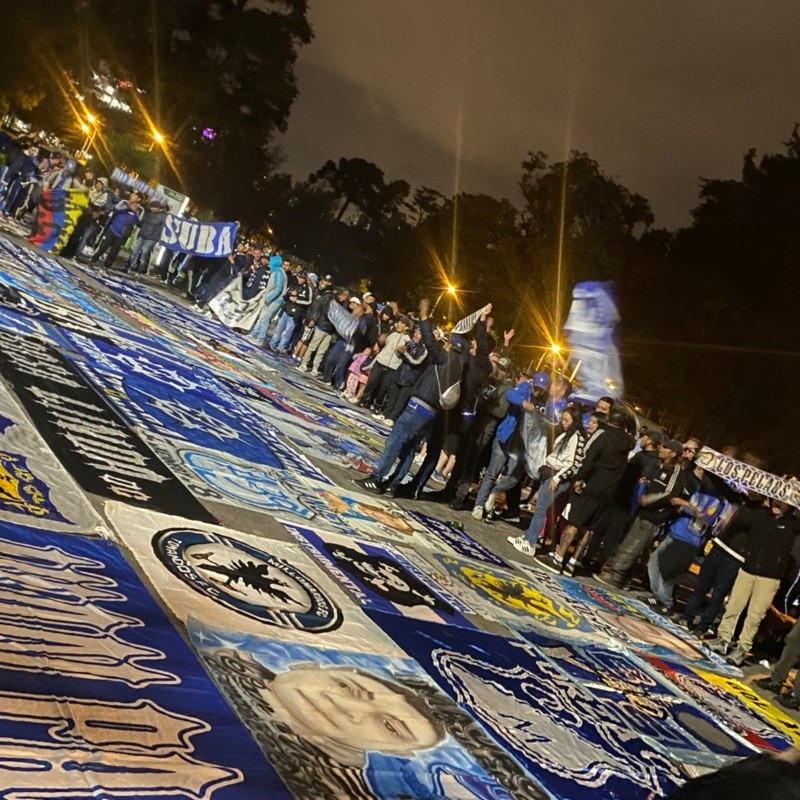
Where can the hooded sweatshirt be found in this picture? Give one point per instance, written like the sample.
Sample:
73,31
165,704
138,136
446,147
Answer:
604,461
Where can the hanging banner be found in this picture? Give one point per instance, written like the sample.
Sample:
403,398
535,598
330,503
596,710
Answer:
746,478
102,453
34,488
356,725
56,216
99,694
240,582
208,239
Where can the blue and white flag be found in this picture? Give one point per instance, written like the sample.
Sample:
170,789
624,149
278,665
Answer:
209,239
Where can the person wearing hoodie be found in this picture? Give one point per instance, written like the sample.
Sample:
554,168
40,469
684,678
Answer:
149,234
557,474
604,461
444,371
101,201
124,218
524,419
273,299
296,300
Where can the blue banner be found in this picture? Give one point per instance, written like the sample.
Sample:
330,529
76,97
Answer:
100,695
208,239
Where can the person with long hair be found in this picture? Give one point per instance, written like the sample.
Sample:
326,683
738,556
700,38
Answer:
556,474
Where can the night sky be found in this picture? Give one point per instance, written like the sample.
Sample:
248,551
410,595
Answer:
659,93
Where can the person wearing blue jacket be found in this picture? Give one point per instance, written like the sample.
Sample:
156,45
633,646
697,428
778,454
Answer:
124,218
508,449
273,299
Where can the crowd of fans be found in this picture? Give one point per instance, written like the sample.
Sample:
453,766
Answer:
610,498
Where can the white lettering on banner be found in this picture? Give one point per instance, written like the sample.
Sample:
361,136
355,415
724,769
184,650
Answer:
62,629
745,476
33,358
169,235
200,238
103,748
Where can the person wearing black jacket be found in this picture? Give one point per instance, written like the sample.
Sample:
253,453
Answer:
324,330
771,532
655,509
445,366
412,363
604,461
297,300
455,422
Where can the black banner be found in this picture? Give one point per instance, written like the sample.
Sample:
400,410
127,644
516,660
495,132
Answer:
103,454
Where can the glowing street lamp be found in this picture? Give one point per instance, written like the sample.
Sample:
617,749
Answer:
555,349
451,290
158,139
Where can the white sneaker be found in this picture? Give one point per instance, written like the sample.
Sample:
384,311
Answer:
390,423
477,513
522,544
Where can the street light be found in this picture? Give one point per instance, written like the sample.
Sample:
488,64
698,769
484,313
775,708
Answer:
158,139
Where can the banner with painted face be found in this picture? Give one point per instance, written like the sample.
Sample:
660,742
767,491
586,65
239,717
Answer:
356,725
56,216
99,694
569,743
207,239
379,576
34,488
241,582
101,453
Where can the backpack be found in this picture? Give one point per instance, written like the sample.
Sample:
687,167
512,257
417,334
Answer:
449,397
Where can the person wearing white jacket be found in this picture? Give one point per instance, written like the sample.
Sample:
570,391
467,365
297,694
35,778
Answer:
556,475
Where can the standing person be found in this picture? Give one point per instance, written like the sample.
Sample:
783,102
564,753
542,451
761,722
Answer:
411,366
780,672
323,285
324,331
437,379
525,412
655,510
124,218
604,462
233,266
556,474
149,234
101,202
279,269
18,176
384,368
297,300
618,516
771,531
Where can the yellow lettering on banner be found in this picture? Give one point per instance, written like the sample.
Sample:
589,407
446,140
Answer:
773,715
88,747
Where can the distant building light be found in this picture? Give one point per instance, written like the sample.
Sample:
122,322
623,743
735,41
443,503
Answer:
209,134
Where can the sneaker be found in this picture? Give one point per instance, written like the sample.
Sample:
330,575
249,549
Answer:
377,415
769,685
458,503
522,544
718,645
477,512
551,562
389,423
370,484
790,700
572,567
438,477
606,579
391,490
682,623
737,656
509,516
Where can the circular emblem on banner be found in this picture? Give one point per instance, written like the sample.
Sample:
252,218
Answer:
246,580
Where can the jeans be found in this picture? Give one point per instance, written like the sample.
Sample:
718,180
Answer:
406,430
640,536
335,353
140,255
545,498
500,458
282,333
268,311
788,659
660,586
717,575
753,593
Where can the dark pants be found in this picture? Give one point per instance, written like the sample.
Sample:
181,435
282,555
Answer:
378,383
109,246
641,535
396,401
336,352
789,657
607,534
470,446
717,576
441,427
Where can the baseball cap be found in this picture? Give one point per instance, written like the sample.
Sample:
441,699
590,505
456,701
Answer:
354,300
302,274
504,363
328,278
541,379
369,294
655,436
675,445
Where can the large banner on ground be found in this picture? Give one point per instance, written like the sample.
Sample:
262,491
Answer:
357,725
748,478
208,239
56,216
103,454
99,694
